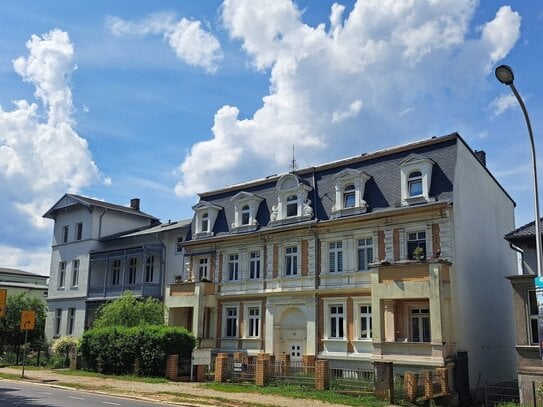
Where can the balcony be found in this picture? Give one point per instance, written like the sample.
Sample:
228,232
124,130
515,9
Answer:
115,291
189,294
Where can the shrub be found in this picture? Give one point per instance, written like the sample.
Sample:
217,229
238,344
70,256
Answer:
114,350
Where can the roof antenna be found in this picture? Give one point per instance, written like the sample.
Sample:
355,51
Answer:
293,165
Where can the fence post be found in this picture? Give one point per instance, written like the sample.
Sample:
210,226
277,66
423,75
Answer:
322,376
220,367
534,394
285,363
443,380
171,367
384,381
261,374
427,377
411,386
308,363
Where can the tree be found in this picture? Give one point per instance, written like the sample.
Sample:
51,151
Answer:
11,334
130,311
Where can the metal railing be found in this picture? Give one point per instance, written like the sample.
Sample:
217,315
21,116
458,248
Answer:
352,380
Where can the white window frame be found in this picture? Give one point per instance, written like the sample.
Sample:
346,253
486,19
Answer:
245,207
409,239
364,312
336,320
251,321
205,209
149,269
61,274
116,267
232,266
179,245
288,186
336,263
417,312
291,260
349,182
363,245
75,272
132,270
226,318
411,164
255,265
203,268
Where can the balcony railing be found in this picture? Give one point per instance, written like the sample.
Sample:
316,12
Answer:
189,288
114,291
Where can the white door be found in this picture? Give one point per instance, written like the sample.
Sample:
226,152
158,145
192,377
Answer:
295,352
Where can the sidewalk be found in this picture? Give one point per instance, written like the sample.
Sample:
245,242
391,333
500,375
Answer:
187,394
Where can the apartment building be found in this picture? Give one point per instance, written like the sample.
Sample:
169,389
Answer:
395,255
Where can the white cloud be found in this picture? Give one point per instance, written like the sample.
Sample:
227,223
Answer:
41,155
387,56
36,261
192,44
503,103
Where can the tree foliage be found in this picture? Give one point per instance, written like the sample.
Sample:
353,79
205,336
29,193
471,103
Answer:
11,334
130,311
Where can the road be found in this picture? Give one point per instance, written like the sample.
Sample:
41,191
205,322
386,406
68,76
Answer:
16,394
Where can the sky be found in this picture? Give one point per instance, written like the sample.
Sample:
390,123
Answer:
163,100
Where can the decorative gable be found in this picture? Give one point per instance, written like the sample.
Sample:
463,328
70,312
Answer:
245,209
416,179
204,218
292,202
350,185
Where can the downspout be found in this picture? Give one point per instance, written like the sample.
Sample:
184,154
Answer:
521,252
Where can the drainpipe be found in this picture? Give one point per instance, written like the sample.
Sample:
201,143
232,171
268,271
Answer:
521,252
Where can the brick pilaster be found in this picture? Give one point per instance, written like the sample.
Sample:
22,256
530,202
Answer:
275,260
427,378
381,245
320,322
284,359
241,326
212,265
261,374
411,382
200,373
443,379
384,381
219,326
350,325
220,267
308,363
396,244
322,380
436,240
171,367
305,258
220,367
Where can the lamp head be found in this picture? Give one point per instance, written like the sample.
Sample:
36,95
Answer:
505,74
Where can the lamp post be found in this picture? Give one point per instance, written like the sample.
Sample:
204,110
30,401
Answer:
505,75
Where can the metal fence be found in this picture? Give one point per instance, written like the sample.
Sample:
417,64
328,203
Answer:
293,373
501,391
238,372
352,380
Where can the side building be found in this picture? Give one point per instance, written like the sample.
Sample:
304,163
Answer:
15,281
395,255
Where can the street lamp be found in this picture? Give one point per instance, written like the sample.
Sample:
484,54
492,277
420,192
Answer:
505,75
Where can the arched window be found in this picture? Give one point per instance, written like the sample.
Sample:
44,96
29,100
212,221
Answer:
245,214
349,196
414,183
292,206
205,222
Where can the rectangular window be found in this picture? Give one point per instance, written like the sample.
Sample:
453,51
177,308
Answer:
65,233
254,265
78,231
132,270
533,314
420,325
335,257
416,245
231,322
150,269
365,253
336,321
71,321
202,269
75,273
179,245
254,322
365,322
61,274
233,267
116,272
58,320
291,261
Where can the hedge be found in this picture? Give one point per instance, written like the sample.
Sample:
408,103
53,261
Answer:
114,350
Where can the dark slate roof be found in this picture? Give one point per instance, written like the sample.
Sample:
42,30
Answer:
19,272
88,202
524,232
383,189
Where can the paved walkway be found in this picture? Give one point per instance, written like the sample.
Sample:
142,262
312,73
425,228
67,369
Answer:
187,394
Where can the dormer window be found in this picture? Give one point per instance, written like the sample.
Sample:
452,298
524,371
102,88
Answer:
350,186
204,219
416,179
292,202
245,210
414,183
349,196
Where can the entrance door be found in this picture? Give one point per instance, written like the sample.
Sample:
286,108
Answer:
295,352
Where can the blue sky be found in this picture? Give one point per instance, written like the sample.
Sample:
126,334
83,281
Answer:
161,100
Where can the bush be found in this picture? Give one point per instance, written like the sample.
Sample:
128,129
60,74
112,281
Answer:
114,350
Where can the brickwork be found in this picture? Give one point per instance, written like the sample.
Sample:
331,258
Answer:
320,328
384,381
396,244
350,325
171,367
436,241
427,378
322,380
241,326
381,245
238,357
305,258
220,267
263,325
308,362
410,384
275,260
219,325
212,268
261,374
220,367
284,359
200,373
442,374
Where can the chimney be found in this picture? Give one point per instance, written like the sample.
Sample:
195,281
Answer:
135,204
481,156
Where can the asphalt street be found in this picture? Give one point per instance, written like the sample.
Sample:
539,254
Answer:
16,394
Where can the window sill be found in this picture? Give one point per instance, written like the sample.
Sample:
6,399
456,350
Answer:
289,220
203,235
338,340
356,210
244,228
413,200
